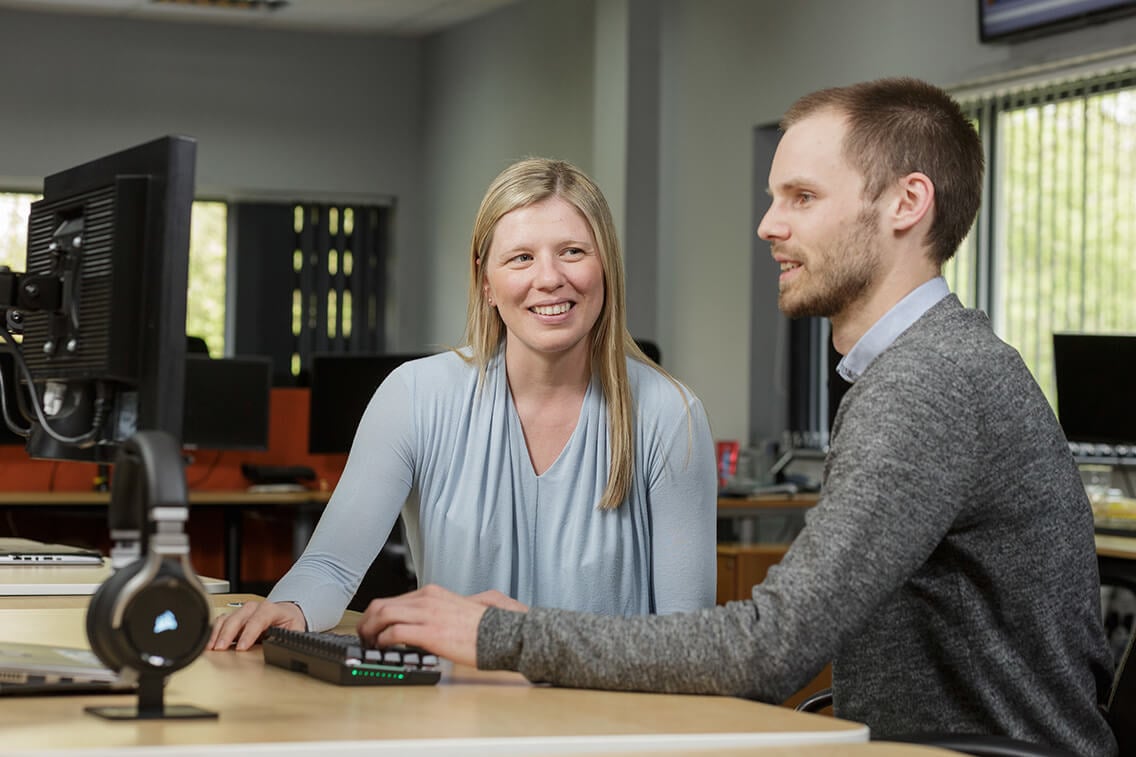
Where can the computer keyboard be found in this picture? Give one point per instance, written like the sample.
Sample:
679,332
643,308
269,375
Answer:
342,659
1107,454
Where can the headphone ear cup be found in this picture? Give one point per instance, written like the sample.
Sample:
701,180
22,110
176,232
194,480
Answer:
105,640
165,622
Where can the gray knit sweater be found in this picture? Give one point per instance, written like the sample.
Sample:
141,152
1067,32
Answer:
948,570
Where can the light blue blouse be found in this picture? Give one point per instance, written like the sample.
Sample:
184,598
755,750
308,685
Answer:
453,458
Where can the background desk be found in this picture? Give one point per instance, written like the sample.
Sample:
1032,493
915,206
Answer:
1116,556
54,580
304,507
470,712
746,512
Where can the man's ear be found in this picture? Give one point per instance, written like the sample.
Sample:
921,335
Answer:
914,198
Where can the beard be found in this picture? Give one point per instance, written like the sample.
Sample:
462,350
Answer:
847,267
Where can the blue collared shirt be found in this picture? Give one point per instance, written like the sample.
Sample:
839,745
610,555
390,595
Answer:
887,329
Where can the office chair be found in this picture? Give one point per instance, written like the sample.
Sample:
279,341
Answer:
650,349
1120,712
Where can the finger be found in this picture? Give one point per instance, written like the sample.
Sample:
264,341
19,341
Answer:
226,627
270,615
380,614
251,633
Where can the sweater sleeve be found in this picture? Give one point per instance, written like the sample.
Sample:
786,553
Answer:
361,512
886,505
683,501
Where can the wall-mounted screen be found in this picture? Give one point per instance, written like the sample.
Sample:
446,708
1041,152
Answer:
1004,20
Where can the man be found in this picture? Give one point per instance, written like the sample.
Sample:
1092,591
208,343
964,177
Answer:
948,569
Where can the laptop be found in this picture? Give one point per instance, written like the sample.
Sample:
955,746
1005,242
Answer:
15,551
46,669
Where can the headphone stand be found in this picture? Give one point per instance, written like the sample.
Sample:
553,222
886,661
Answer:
151,617
151,693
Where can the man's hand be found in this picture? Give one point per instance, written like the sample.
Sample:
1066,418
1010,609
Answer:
432,618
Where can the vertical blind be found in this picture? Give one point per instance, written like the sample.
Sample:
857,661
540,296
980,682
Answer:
1054,248
339,289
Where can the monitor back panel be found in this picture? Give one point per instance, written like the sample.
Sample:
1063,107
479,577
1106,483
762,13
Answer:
1096,396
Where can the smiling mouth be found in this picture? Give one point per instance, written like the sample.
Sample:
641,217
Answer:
789,266
558,309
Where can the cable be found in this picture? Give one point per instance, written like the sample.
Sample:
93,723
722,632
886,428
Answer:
208,471
83,440
4,397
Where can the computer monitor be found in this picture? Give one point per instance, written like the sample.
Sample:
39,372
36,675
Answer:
1096,402
101,304
341,387
226,402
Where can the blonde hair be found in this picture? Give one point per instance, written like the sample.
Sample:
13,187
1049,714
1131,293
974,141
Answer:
522,184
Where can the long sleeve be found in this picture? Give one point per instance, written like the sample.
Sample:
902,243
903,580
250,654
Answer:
683,503
361,512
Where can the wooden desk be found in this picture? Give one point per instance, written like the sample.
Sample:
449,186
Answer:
306,506
735,507
747,511
1116,558
470,712
33,580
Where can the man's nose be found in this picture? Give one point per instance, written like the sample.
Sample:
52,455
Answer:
771,227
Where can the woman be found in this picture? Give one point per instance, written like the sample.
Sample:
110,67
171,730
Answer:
549,459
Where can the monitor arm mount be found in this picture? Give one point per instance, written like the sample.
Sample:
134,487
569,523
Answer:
54,291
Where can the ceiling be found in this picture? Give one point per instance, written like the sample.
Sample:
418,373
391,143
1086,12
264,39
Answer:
412,18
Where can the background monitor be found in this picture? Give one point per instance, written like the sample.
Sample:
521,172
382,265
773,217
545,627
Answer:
341,387
1096,401
102,301
226,402
1003,20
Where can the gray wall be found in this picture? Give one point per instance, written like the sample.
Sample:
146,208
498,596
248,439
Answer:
658,99
513,84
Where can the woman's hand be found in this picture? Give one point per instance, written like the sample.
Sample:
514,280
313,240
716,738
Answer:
244,627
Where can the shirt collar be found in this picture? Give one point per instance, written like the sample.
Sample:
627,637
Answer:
887,329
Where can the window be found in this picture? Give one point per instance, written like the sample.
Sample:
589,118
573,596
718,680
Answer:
14,209
205,305
1053,249
205,299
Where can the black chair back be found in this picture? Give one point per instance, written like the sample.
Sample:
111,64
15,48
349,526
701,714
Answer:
1122,701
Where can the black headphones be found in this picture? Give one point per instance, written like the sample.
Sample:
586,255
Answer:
152,615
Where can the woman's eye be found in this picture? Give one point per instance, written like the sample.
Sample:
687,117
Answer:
523,257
